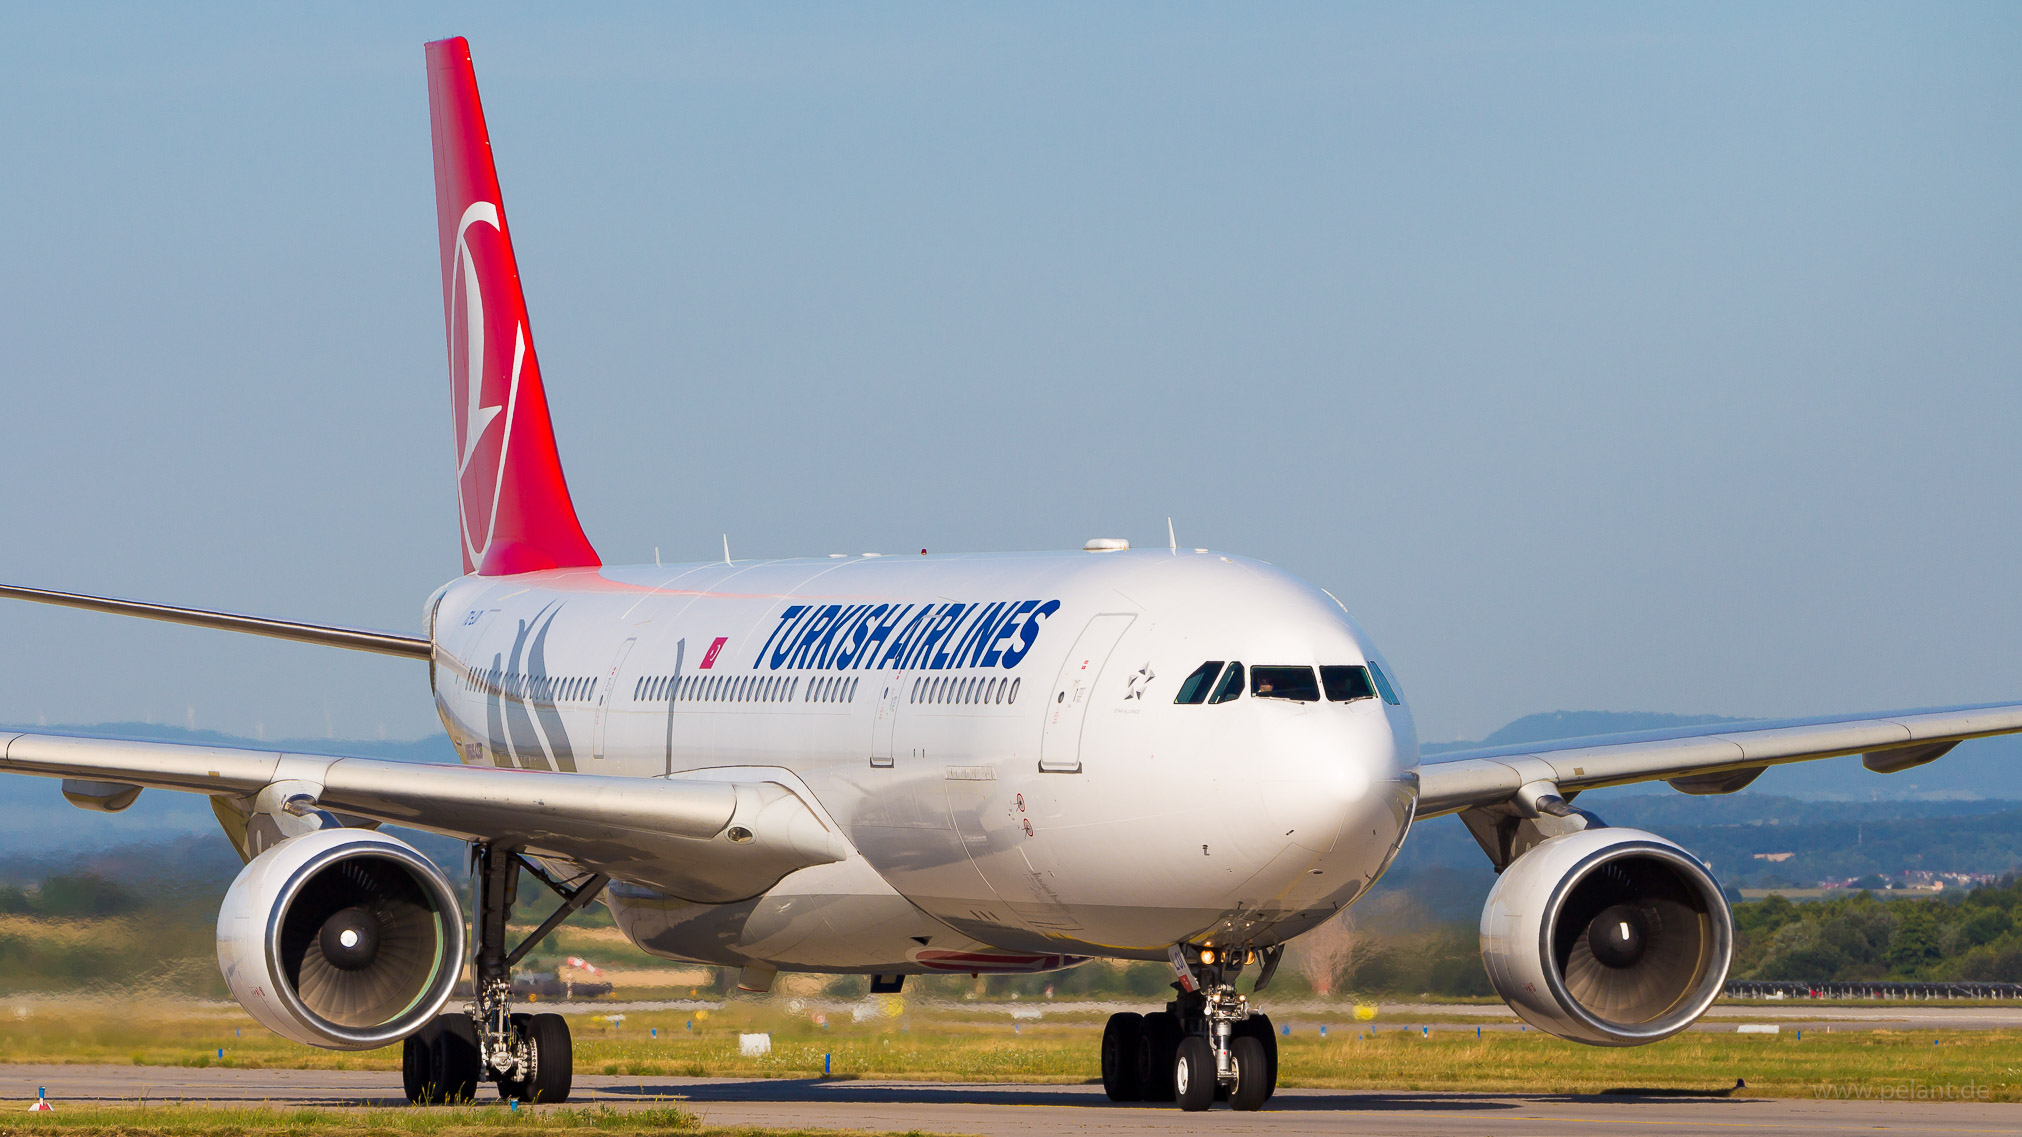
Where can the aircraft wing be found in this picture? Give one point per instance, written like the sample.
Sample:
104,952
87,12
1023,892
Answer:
698,840
326,635
1707,759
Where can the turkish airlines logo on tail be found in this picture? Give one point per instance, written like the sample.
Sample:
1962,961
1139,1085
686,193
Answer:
481,389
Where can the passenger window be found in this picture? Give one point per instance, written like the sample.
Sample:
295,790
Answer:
1231,686
1383,684
1295,683
1194,689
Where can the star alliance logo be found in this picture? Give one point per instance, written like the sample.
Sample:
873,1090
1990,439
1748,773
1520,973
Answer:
1140,680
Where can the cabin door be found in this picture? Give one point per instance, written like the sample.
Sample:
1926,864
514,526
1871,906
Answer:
607,694
1067,706
884,722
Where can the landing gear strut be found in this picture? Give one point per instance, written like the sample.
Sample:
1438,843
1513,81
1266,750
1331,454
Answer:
529,1056
1207,1045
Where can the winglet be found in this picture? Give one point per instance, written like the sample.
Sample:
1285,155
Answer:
512,501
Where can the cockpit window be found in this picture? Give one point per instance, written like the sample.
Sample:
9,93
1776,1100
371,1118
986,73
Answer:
1347,684
1197,685
1284,683
1383,684
1231,686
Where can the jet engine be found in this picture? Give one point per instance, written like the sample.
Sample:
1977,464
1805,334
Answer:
341,938
1613,937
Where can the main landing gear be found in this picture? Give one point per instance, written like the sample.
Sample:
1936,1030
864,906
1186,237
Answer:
1206,1046
528,1056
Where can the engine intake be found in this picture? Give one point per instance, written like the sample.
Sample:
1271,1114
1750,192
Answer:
341,938
1614,937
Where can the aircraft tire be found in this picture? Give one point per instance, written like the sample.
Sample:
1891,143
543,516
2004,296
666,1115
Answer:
1193,1074
414,1065
1258,1026
555,1069
1156,1051
1122,1073
554,1061
439,1063
1253,1083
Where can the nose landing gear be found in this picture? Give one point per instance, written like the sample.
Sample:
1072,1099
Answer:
529,1056
1207,1045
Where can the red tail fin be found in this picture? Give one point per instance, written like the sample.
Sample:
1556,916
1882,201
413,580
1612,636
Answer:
514,504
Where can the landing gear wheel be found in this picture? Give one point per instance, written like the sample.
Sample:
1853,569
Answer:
1258,1026
553,1076
1193,1074
1122,1074
517,1089
1253,1083
439,1062
1155,1055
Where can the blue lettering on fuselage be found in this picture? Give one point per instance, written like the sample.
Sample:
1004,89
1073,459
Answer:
930,637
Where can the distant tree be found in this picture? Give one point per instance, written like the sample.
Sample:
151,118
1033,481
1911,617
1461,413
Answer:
1997,962
83,894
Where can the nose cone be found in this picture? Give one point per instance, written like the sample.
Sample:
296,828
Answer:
1328,773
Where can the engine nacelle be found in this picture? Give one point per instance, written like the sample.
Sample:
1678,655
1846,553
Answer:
341,938
1614,937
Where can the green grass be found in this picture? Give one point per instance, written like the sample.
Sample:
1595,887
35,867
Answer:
193,1120
470,1121
964,1044
1778,1065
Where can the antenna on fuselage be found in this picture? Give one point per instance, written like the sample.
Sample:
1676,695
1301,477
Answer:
1171,541
656,556
726,548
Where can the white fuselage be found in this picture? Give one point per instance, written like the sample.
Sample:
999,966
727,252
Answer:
995,735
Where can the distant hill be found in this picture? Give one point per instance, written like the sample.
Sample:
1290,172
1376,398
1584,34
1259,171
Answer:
1555,725
1442,869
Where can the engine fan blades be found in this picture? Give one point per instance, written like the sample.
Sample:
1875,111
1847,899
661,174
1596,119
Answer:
393,910
1669,961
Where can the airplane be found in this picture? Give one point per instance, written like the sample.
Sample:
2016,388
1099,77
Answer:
836,764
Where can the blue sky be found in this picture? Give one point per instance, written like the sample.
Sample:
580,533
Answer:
1611,356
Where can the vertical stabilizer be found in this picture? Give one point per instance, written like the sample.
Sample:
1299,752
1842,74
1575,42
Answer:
512,501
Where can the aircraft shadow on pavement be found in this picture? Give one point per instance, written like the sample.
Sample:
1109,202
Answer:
817,1090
